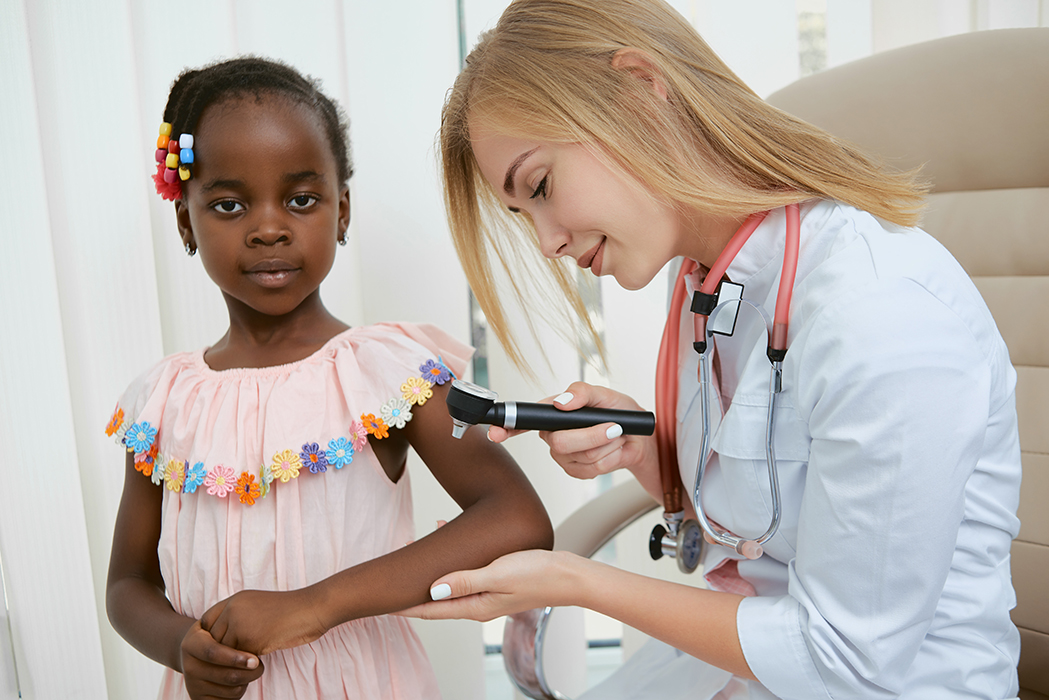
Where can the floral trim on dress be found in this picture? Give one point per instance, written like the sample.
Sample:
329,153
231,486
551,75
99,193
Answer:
176,474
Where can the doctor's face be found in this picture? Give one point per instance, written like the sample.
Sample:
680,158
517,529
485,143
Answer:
606,221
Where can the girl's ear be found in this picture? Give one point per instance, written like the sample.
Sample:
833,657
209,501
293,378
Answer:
640,64
185,226
344,212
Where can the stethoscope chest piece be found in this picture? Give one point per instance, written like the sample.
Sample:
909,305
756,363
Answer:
686,546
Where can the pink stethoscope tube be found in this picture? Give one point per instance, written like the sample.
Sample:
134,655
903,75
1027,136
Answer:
667,381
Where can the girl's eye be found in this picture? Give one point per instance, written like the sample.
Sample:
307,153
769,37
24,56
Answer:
302,201
540,189
228,206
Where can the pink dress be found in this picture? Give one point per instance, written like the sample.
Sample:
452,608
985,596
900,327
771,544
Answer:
269,483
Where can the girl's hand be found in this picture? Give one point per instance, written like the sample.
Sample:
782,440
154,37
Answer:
588,452
212,670
261,622
512,583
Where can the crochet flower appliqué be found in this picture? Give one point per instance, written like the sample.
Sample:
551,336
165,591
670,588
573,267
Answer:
247,489
435,372
286,466
115,422
359,435
340,452
220,481
175,475
396,412
194,477
314,457
375,426
140,436
416,390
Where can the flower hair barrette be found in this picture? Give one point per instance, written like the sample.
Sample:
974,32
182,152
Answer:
174,161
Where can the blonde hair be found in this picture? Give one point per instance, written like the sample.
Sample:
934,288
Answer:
545,72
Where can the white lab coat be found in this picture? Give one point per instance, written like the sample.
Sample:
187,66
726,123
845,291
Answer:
899,468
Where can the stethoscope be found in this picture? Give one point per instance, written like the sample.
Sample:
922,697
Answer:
682,538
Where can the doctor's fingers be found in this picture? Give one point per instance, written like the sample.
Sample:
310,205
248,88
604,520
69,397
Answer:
579,394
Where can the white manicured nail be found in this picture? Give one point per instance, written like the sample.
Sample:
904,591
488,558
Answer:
564,398
615,431
440,591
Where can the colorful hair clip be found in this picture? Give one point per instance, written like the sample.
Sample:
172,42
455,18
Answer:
173,157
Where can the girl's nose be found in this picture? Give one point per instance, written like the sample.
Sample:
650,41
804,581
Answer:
271,229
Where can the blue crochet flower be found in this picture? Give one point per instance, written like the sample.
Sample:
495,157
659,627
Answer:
194,477
314,457
140,436
340,452
434,372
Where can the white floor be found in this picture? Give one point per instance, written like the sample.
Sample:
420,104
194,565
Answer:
600,663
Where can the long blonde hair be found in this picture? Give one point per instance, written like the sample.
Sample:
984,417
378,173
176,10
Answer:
545,72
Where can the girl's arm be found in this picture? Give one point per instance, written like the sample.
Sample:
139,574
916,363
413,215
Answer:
699,622
501,514
141,613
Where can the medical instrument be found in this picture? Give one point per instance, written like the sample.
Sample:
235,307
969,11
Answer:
470,404
680,539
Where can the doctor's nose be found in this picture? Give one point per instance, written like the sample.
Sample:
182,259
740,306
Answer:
553,239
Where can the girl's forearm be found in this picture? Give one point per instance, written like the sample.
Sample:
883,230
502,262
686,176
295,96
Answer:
402,578
143,616
699,622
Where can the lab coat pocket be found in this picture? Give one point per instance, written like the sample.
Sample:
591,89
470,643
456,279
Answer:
740,444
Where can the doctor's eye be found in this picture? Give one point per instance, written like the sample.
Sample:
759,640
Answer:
540,189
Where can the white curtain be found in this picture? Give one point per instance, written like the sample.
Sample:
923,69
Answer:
96,287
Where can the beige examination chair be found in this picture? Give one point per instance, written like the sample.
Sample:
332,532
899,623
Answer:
974,109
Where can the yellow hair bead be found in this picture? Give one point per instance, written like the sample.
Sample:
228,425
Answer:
172,160
165,129
183,172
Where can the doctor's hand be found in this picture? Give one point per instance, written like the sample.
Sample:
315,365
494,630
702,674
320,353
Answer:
589,452
512,583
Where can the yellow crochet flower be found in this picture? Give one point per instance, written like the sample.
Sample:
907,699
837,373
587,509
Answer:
416,390
174,475
286,465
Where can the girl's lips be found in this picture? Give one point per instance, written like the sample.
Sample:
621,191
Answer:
273,278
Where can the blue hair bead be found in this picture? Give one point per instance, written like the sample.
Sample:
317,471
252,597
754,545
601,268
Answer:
186,155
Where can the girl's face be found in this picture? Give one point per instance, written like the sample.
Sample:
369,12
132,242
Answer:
264,207
603,219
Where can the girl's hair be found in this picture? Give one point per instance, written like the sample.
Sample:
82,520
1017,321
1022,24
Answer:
545,72
196,89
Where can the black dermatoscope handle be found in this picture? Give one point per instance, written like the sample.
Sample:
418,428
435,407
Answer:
469,404
543,416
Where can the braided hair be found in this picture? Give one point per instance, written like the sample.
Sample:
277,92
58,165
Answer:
196,89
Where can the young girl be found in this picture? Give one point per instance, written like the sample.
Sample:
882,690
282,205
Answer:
261,534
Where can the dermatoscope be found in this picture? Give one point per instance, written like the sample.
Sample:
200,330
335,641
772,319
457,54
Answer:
470,404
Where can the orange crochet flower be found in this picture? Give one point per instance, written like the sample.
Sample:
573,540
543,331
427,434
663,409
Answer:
247,489
375,426
144,465
115,421
144,461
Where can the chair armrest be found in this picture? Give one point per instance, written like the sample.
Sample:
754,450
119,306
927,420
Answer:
584,532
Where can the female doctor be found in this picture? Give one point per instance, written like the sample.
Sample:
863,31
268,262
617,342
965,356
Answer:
608,133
